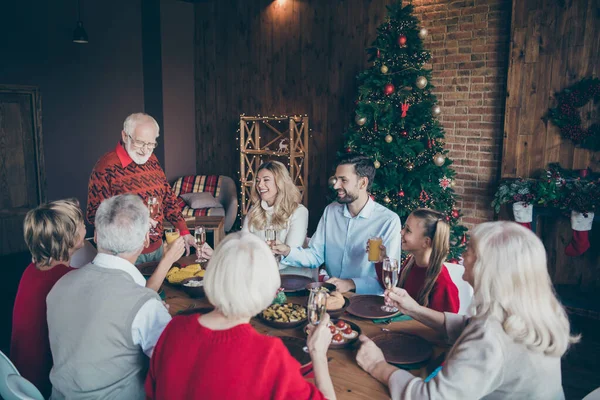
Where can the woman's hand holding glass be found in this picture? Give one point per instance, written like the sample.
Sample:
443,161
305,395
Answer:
400,299
319,337
281,248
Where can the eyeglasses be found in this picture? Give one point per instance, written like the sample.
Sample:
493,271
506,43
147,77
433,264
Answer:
139,144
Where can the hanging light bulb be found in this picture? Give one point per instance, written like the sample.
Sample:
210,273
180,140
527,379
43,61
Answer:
79,34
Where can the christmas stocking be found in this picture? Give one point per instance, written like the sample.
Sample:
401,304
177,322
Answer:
523,213
581,225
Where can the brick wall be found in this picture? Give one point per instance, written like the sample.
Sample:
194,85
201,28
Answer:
469,42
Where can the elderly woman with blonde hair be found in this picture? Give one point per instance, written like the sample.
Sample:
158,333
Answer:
219,355
511,348
276,206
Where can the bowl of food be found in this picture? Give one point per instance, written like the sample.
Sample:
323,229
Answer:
328,287
345,333
283,316
177,275
193,287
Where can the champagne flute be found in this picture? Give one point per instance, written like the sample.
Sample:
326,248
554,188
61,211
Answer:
316,307
154,208
200,238
271,238
390,273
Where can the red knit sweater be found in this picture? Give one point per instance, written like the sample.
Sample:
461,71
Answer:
444,294
193,362
116,173
29,344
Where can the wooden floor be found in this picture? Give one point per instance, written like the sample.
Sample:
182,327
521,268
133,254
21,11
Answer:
580,367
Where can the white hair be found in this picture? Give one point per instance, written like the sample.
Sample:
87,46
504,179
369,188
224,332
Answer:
122,224
512,285
242,277
131,122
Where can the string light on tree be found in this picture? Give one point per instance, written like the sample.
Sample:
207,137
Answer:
423,33
409,166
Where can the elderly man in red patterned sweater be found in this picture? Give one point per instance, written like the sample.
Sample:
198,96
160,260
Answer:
133,168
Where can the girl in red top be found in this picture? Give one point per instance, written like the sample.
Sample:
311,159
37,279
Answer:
53,232
219,355
426,236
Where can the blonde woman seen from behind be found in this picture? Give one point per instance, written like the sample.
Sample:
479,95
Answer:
511,348
219,355
276,205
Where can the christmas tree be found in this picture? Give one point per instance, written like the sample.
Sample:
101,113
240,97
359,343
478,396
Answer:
396,125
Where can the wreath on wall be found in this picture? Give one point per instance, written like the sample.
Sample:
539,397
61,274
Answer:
566,114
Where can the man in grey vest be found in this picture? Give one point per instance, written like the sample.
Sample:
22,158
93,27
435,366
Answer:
103,322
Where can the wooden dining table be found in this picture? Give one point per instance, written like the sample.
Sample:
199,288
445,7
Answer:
350,381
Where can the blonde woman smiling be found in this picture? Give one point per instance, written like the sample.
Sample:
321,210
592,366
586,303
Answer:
276,203
512,348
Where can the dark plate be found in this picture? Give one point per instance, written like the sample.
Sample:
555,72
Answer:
368,306
147,269
281,325
338,313
296,348
294,283
400,348
313,285
195,292
348,342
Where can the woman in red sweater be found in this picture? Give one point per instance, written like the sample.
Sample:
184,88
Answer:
426,236
219,355
53,232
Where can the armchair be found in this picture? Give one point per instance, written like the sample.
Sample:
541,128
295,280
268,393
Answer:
221,187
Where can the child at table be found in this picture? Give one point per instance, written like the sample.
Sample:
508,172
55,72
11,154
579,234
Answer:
426,236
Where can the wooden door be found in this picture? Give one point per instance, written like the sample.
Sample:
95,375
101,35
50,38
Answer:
22,183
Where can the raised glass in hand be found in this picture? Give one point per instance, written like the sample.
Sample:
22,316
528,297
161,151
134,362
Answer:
200,238
317,305
390,273
154,208
171,234
270,236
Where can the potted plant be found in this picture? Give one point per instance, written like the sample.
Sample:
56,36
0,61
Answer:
520,192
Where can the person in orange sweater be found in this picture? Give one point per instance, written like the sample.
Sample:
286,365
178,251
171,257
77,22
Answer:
219,355
53,232
426,236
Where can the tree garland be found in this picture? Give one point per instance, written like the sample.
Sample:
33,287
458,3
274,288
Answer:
566,114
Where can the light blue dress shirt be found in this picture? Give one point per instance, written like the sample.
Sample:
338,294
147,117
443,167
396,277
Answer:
341,241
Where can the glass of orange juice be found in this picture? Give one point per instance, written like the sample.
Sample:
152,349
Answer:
374,250
171,234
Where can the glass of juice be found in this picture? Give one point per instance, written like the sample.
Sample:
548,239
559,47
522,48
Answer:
171,234
374,250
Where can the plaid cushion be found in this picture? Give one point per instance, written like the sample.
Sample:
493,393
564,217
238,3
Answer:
195,184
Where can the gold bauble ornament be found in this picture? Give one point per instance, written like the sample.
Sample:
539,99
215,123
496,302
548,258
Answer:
332,181
376,164
436,110
421,82
423,33
439,159
387,200
384,69
452,183
388,138
360,120
409,166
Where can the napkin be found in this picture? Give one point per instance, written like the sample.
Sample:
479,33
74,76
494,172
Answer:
399,317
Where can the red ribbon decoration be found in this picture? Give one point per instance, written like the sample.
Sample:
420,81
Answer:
404,109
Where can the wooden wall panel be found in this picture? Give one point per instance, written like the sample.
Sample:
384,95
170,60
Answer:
553,45
280,57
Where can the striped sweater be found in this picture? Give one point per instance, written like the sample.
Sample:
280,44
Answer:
116,173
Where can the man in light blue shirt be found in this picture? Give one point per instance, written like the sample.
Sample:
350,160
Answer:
344,229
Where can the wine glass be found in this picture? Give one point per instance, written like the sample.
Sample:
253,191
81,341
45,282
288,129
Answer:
316,308
271,239
390,273
200,237
154,208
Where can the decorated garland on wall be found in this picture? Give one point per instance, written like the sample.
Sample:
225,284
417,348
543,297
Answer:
566,114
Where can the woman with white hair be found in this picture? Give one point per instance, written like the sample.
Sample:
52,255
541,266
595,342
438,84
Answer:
511,348
219,355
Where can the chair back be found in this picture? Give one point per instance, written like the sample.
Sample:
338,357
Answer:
84,255
22,389
465,291
7,368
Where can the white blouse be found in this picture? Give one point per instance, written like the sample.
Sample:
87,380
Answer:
293,234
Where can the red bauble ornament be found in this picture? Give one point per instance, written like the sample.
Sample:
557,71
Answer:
375,127
464,239
402,40
455,214
401,193
348,150
403,133
378,53
447,218
583,173
388,89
